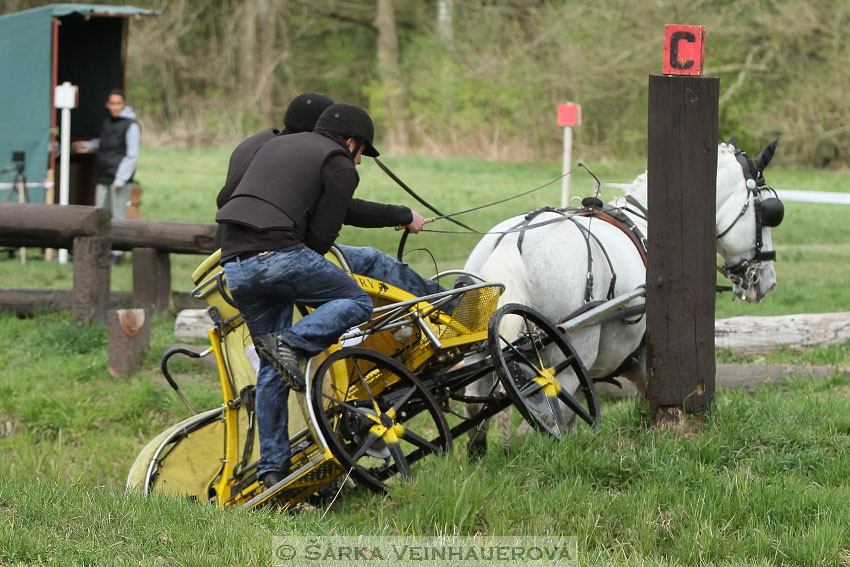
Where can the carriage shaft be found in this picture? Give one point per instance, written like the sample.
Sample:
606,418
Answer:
595,316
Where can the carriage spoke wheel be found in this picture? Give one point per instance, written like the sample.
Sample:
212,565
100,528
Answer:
376,416
529,364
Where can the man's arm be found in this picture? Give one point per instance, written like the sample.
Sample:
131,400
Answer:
128,162
339,179
368,214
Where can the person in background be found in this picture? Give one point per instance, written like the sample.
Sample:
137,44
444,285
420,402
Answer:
117,156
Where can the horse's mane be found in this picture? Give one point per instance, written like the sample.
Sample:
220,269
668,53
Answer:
726,148
638,187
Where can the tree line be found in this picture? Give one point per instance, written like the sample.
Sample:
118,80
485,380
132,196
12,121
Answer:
483,77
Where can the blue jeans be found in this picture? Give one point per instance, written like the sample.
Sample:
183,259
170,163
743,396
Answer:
266,287
114,201
375,264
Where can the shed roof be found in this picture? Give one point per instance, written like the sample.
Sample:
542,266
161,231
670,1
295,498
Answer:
59,10
25,92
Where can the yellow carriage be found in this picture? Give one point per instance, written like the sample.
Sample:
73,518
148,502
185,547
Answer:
376,401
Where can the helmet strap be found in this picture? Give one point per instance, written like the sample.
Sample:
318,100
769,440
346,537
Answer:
358,144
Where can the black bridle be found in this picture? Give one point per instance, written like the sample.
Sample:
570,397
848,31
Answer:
768,212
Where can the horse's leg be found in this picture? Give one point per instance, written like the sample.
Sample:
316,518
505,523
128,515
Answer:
477,444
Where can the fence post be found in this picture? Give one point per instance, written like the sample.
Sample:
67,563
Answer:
151,279
682,172
90,297
129,337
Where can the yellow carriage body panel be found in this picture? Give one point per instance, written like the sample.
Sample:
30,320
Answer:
213,455
191,465
186,463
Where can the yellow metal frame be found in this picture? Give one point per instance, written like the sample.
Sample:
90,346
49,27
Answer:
410,333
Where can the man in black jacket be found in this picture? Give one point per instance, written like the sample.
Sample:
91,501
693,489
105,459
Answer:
278,222
300,116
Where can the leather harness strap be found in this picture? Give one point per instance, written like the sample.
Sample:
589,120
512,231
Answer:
614,217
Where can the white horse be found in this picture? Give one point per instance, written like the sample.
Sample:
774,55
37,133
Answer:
548,268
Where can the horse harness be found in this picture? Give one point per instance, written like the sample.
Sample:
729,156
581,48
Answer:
592,207
769,213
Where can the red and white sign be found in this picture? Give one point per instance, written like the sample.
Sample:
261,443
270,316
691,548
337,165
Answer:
569,114
684,50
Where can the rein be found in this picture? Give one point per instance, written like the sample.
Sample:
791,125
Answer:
450,217
422,201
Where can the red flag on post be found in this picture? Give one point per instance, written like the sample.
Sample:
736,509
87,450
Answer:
569,114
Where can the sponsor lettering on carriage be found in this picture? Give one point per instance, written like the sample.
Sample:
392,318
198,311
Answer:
369,283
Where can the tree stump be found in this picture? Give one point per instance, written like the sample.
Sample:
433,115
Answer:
129,336
90,298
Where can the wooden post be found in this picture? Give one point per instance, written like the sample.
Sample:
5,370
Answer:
90,298
682,172
129,336
151,279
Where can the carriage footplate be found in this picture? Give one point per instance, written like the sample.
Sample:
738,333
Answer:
298,485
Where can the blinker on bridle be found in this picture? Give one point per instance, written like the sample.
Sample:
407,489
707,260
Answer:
768,212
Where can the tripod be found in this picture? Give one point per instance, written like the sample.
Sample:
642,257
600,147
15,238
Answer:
19,185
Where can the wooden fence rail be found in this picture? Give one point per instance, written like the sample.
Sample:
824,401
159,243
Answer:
91,234
50,226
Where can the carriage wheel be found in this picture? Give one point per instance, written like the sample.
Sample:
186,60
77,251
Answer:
376,416
524,368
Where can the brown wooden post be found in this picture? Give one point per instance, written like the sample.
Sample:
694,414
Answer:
151,279
129,336
90,298
682,172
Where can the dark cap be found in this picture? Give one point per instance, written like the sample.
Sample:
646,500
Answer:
352,122
304,110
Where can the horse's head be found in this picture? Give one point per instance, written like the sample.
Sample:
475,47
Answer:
747,208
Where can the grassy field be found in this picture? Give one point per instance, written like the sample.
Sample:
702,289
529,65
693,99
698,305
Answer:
763,481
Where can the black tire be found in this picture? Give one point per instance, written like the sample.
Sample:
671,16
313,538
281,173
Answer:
376,443
528,381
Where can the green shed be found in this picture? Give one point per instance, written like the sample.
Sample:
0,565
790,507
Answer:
84,44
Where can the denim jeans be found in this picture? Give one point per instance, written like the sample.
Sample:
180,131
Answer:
114,201
375,264
266,287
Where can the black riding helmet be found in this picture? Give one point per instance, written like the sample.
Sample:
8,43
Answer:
304,110
352,122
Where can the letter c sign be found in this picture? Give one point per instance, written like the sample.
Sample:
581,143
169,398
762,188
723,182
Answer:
684,50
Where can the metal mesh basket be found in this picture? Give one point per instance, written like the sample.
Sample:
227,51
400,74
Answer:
473,311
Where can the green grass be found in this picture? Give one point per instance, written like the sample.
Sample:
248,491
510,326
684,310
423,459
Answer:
764,481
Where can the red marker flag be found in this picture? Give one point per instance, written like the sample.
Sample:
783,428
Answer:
684,50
